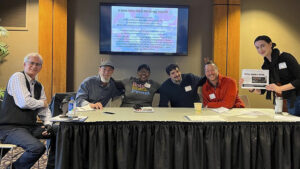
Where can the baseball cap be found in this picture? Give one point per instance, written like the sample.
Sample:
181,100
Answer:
107,63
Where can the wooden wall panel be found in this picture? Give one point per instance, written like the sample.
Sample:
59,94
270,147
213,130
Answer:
45,44
220,2
234,2
223,2
233,61
227,37
220,38
53,45
59,46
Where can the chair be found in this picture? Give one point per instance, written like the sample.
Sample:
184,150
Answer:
115,102
6,146
10,147
56,106
246,101
155,102
14,152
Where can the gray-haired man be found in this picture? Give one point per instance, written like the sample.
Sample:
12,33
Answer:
96,91
24,99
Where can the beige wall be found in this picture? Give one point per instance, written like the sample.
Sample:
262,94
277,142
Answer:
83,37
21,43
275,18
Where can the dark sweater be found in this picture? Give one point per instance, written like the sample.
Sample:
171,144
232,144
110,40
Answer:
177,94
283,69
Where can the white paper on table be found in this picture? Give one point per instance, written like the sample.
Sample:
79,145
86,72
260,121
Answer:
59,119
79,119
255,78
286,117
220,110
84,108
204,118
252,113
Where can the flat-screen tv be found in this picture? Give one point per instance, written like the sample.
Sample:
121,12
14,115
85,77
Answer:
143,29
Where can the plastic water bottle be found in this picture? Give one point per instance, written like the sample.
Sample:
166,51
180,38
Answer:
278,105
71,106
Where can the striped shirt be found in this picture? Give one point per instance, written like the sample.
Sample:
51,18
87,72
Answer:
24,99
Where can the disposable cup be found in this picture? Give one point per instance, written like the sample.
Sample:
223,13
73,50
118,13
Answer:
198,106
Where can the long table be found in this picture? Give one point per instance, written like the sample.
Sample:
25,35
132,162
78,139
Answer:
167,139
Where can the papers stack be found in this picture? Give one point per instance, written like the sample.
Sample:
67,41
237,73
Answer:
220,110
144,110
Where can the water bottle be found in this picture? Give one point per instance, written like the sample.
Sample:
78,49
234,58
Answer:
278,105
71,106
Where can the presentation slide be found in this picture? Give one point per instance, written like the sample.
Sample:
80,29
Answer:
144,29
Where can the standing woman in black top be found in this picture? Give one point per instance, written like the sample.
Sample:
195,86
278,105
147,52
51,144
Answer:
284,73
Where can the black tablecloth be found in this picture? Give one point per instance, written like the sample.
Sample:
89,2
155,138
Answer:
178,145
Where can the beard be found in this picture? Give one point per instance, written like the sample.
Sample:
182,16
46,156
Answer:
177,80
104,79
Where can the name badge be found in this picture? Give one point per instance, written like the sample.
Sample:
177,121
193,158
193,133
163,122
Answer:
282,65
212,96
188,88
147,85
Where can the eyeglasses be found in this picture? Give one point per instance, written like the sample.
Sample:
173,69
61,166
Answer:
34,63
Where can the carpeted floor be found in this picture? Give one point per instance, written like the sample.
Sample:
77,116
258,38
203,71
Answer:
6,160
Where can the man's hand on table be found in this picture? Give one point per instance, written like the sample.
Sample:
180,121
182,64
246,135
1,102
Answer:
97,105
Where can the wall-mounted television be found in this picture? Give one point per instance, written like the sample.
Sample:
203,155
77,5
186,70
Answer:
135,29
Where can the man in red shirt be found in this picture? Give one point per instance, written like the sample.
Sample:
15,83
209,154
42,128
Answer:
219,91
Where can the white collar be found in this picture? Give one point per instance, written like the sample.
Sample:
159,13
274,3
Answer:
31,81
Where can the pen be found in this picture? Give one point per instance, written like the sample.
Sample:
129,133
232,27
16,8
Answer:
108,112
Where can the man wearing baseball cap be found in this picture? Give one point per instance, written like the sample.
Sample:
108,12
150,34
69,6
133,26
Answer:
96,91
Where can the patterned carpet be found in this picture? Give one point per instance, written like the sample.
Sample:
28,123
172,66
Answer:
6,160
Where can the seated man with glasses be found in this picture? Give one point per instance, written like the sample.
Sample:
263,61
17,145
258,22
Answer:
24,99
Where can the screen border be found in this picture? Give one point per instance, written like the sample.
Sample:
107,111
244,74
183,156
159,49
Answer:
143,5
